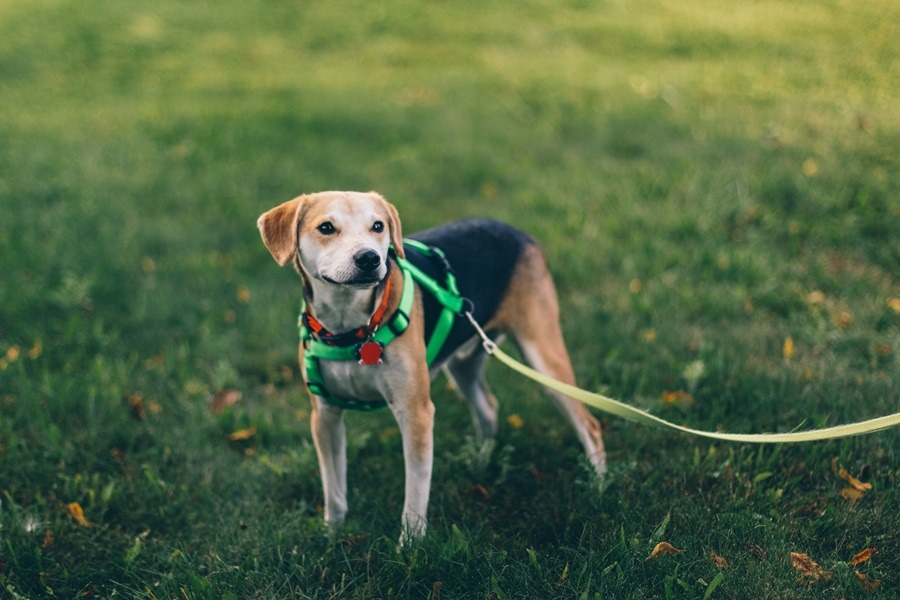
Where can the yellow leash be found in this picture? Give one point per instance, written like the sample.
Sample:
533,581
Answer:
634,414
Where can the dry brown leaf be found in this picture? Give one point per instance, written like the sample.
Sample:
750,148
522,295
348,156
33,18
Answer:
720,562
808,567
136,405
869,585
242,434
852,494
661,549
222,400
883,349
74,510
861,557
478,490
853,481
48,540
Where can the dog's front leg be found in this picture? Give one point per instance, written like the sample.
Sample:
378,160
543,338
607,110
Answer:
331,447
415,416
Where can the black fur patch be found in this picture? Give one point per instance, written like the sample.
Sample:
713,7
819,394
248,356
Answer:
483,254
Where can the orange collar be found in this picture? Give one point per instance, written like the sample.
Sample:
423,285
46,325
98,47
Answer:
342,339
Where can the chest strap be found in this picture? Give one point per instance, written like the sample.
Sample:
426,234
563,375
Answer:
448,297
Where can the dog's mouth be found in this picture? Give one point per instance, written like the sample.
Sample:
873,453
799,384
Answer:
361,282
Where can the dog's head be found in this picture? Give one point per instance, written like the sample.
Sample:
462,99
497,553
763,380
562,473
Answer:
338,237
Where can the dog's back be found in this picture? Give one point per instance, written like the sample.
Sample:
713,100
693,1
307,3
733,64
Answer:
483,254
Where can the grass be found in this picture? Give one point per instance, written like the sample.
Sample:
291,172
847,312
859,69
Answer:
708,180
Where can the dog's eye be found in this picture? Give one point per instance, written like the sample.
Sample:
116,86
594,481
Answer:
326,228
378,227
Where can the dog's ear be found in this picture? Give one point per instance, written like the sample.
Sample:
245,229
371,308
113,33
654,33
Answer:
279,229
394,227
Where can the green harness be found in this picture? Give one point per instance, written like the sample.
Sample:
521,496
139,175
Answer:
316,350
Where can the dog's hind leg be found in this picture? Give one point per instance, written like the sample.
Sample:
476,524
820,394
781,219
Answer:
466,370
531,315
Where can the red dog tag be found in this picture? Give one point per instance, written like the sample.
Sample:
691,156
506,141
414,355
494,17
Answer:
369,353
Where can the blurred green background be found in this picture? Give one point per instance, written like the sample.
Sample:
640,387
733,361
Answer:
715,186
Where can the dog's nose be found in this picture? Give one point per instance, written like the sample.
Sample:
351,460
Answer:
367,260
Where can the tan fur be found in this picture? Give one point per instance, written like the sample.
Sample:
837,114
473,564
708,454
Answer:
279,229
530,313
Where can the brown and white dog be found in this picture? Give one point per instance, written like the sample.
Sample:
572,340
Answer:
338,242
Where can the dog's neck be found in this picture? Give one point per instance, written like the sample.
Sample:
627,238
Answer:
341,308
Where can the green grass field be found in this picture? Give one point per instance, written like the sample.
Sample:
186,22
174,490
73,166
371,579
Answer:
716,188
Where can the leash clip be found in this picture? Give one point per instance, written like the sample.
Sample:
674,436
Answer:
486,342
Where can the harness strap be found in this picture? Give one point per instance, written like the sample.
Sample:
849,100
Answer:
449,298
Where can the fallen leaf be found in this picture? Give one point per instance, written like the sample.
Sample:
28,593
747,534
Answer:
679,398
136,405
853,481
788,348
808,567
720,562
852,494
843,320
894,304
242,434
861,557
36,350
74,510
661,549
882,349
869,585
222,400
48,540
815,297
515,421
478,490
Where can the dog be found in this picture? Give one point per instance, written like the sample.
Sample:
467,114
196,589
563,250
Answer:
346,248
